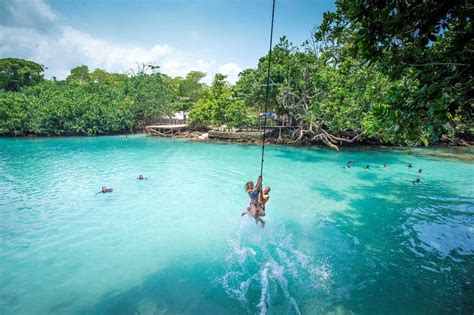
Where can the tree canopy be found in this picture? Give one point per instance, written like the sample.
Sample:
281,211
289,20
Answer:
16,73
425,47
86,102
392,72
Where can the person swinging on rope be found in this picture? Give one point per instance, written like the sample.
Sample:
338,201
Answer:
262,200
254,193
254,209
258,199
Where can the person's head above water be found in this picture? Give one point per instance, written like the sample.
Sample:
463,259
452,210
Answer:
266,190
420,170
409,165
141,177
248,186
104,190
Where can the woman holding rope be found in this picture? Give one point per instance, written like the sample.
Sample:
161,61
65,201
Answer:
258,199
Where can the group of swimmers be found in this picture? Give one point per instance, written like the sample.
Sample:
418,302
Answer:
258,199
416,181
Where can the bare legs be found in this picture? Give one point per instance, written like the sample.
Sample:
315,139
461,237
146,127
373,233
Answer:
246,212
256,213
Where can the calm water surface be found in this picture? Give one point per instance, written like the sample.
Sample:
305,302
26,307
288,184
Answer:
337,240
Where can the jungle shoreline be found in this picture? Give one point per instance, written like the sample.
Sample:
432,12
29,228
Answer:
193,135
458,149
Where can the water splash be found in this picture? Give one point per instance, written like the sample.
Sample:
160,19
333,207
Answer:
264,296
260,269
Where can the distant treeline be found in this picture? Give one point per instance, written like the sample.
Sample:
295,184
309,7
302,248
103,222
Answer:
88,103
397,72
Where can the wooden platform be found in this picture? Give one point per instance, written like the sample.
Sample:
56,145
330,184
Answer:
165,130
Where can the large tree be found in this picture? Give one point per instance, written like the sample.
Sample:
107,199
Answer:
219,106
189,90
16,73
428,46
151,94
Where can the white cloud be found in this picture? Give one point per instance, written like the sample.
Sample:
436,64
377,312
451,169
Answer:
26,13
98,53
29,29
175,67
231,70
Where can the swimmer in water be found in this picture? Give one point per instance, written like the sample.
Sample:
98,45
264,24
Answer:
384,165
366,167
351,162
409,165
420,170
140,177
105,190
416,181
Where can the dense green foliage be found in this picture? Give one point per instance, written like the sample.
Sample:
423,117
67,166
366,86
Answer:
16,73
92,103
188,90
390,71
219,106
55,108
394,71
425,48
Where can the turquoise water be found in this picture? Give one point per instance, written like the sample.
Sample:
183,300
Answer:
336,240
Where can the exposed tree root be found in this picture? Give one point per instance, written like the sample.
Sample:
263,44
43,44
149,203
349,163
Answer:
311,129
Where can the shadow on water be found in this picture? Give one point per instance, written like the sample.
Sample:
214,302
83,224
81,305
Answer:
8,301
404,250
312,155
180,289
328,192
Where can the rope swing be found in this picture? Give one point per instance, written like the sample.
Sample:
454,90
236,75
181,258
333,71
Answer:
267,90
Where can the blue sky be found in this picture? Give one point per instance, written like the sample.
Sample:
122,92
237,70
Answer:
207,35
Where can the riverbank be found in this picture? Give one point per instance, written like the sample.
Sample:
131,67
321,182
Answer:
443,150
278,137
459,150
255,137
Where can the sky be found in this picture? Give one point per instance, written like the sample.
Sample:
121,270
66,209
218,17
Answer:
212,36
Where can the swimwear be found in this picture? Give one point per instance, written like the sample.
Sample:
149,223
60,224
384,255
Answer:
254,194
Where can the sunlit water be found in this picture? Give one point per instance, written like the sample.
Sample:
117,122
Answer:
336,240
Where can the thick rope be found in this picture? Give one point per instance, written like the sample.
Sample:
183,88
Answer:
267,90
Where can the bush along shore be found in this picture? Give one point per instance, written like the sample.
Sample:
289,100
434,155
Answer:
374,81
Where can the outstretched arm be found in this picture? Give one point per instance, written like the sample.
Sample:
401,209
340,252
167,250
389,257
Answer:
259,183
